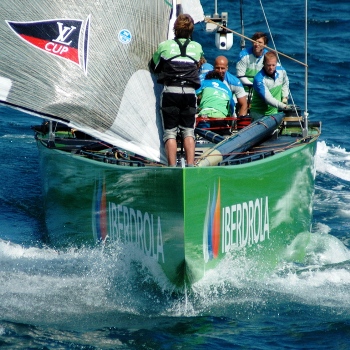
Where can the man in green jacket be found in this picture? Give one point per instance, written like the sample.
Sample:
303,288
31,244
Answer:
271,88
177,62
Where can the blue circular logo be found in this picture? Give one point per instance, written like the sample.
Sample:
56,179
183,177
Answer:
124,36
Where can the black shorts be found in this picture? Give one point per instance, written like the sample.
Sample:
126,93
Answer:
178,109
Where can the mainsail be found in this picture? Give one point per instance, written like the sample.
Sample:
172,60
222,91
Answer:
85,62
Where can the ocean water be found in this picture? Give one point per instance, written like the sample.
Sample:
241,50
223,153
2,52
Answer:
68,299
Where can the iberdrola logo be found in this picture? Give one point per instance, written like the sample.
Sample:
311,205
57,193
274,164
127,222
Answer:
59,37
99,211
211,231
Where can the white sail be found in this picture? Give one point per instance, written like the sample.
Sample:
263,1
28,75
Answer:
86,62
194,8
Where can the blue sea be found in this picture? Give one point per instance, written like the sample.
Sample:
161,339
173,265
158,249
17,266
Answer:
96,299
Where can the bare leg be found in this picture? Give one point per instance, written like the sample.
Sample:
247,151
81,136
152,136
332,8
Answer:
171,149
189,149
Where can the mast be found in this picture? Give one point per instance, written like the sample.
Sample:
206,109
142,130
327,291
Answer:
242,26
306,114
216,9
178,7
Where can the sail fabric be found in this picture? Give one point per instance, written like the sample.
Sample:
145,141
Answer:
194,8
86,62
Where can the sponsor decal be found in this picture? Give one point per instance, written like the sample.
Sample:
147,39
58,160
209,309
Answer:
126,224
234,226
245,224
124,36
99,213
58,37
211,232
130,225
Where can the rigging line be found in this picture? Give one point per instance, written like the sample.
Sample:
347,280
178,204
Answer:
274,45
245,37
268,26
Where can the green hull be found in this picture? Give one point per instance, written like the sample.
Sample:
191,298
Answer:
186,219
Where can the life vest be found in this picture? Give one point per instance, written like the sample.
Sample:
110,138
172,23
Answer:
180,72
